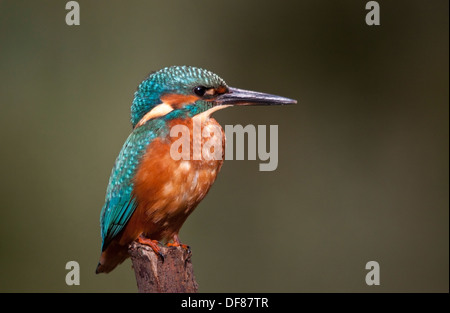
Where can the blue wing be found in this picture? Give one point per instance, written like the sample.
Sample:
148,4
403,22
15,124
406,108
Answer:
120,202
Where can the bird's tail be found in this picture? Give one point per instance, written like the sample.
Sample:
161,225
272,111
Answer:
111,257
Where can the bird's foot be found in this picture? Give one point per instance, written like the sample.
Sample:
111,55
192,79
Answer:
152,244
176,243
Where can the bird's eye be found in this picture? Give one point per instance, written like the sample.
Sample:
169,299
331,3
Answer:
200,90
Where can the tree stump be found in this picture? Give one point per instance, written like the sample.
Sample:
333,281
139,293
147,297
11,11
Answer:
174,274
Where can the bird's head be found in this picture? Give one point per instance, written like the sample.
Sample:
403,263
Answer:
188,91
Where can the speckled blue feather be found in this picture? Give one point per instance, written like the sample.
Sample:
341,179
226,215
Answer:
119,201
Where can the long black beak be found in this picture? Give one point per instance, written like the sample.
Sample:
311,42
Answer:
237,96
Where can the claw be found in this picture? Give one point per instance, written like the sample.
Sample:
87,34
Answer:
161,256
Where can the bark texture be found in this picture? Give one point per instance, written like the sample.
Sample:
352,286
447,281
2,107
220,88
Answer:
174,274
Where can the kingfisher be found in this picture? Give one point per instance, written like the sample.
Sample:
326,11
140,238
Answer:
150,192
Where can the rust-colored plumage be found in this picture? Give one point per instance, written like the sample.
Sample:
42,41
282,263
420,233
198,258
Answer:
166,190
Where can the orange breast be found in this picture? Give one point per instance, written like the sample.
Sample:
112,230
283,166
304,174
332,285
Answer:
168,190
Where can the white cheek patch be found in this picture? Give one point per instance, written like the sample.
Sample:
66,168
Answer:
206,115
159,110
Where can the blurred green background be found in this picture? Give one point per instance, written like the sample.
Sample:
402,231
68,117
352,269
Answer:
363,171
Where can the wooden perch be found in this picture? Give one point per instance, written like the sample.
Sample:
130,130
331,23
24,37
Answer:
175,274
